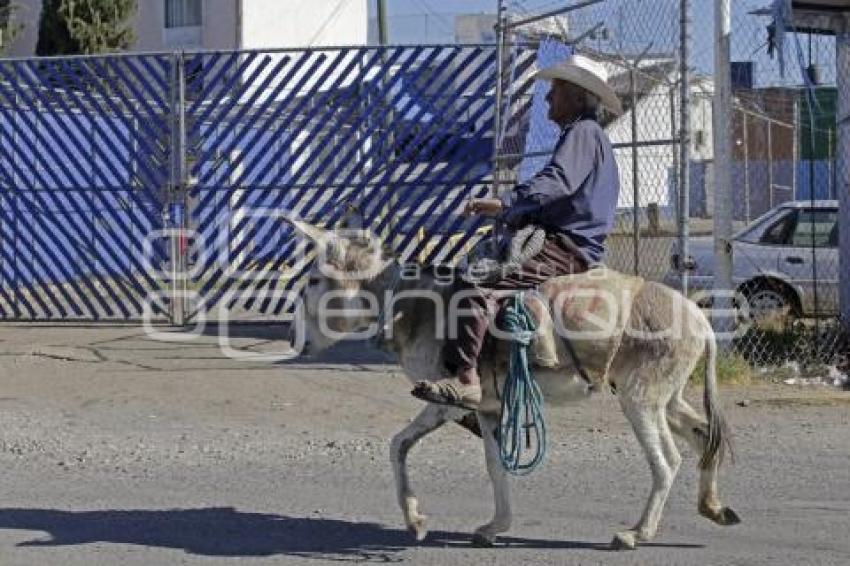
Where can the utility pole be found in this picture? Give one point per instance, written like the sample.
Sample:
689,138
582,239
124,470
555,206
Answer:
722,171
383,34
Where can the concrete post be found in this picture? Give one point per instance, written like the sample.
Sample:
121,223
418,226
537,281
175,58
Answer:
722,159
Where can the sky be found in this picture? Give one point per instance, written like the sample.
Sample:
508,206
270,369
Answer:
636,23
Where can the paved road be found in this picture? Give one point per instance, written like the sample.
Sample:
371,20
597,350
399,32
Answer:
121,450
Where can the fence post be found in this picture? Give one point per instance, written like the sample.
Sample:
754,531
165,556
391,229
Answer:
770,165
722,176
684,140
635,172
746,142
795,148
497,113
16,215
178,182
842,165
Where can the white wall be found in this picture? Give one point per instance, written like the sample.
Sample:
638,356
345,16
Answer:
304,23
656,164
266,24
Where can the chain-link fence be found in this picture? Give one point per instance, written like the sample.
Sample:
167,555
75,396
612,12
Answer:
785,179
784,183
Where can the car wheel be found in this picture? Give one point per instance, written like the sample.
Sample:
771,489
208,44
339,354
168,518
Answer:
769,300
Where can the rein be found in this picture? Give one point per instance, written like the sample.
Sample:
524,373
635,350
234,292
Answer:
522,400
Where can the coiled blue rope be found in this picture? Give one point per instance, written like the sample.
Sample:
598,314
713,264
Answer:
522,430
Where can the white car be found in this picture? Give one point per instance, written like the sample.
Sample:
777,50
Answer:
774,262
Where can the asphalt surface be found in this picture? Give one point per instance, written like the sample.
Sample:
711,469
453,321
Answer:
118,449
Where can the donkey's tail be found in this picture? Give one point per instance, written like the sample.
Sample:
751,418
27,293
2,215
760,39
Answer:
719,436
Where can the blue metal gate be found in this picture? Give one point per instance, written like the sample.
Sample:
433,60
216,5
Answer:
142,184
82,147
404,133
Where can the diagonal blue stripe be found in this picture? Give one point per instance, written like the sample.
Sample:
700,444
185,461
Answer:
53,266
308,97
64,146
219,113
416,143
282,85
235,121
57,99
156,84
122,82
214,82
320,103
277,114
153,179
457,143
334,217
27,282
321,81
61,226
444,82
228,87
148,122
10,263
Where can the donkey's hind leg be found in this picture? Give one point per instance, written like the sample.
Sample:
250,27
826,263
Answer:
688,424
485,535
647,419
428,420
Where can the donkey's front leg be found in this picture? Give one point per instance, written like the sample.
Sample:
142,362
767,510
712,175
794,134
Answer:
428,420
485,535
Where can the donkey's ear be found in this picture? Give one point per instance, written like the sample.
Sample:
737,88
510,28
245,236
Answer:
353,218
313,232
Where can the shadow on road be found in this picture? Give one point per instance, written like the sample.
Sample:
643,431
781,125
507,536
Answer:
344,352
224,531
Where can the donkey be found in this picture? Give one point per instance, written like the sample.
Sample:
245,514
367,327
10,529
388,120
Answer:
651,346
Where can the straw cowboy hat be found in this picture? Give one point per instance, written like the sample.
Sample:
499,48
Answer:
587,74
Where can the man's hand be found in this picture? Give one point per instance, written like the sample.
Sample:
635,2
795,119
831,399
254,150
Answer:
483,206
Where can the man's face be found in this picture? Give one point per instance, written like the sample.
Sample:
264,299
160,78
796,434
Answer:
564,101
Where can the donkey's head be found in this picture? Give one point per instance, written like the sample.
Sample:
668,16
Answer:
339,300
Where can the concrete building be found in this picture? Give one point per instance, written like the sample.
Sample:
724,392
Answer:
656,106
163,25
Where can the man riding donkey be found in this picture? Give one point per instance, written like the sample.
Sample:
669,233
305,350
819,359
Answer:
573,198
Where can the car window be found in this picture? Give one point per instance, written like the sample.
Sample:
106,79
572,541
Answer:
814,227
754,231
833,238
777,234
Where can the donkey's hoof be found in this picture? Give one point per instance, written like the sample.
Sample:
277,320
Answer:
724,516
728,517
481,540
626,540
419,527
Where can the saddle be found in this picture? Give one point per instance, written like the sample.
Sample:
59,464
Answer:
592,310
